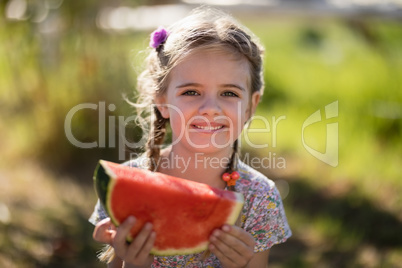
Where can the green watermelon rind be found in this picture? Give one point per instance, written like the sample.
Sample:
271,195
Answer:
105,180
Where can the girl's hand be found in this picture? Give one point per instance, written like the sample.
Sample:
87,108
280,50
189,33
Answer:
135,254
104,231
233,246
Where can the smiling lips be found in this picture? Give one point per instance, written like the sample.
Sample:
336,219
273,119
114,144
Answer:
208,127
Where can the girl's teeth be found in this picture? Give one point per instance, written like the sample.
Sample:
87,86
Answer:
208,127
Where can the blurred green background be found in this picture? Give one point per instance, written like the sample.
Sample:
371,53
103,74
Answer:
55,55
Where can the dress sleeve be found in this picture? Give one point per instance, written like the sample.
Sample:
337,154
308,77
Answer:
266,220
98,214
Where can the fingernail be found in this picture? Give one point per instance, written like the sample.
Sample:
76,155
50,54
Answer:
212,238
131,219
226,228
216,233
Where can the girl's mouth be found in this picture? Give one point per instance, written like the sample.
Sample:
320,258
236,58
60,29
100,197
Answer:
208,128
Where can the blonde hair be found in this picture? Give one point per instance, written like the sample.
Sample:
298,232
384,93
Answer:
204,29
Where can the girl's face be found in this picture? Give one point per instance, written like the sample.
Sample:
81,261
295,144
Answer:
208,101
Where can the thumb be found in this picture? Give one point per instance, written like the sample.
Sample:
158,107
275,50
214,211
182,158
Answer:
104,231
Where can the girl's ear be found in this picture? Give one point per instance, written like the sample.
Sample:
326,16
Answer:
162,107
255,99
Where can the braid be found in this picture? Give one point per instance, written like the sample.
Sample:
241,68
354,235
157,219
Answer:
155,139
107,254
232,166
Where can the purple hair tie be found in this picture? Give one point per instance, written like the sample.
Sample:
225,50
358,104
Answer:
158,37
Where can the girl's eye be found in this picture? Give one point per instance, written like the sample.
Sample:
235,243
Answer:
190,93
230,94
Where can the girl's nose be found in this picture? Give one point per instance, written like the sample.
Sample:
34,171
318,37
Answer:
210,106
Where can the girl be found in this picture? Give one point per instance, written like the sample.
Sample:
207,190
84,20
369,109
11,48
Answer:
204,79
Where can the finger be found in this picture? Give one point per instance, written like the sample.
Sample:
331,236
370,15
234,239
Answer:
227,244
221,256
119,241
104,231
230,256
140,240
149,244
232,247
240,234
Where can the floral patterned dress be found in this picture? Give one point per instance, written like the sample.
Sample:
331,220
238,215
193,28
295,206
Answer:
263,216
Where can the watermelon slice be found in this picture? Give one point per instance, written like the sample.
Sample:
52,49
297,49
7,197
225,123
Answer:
183,213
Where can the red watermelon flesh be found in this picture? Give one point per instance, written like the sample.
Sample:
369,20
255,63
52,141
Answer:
183,213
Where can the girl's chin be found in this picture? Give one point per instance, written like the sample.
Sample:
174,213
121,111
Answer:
205,143
208,146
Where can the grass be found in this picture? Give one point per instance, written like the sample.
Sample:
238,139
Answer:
345,216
